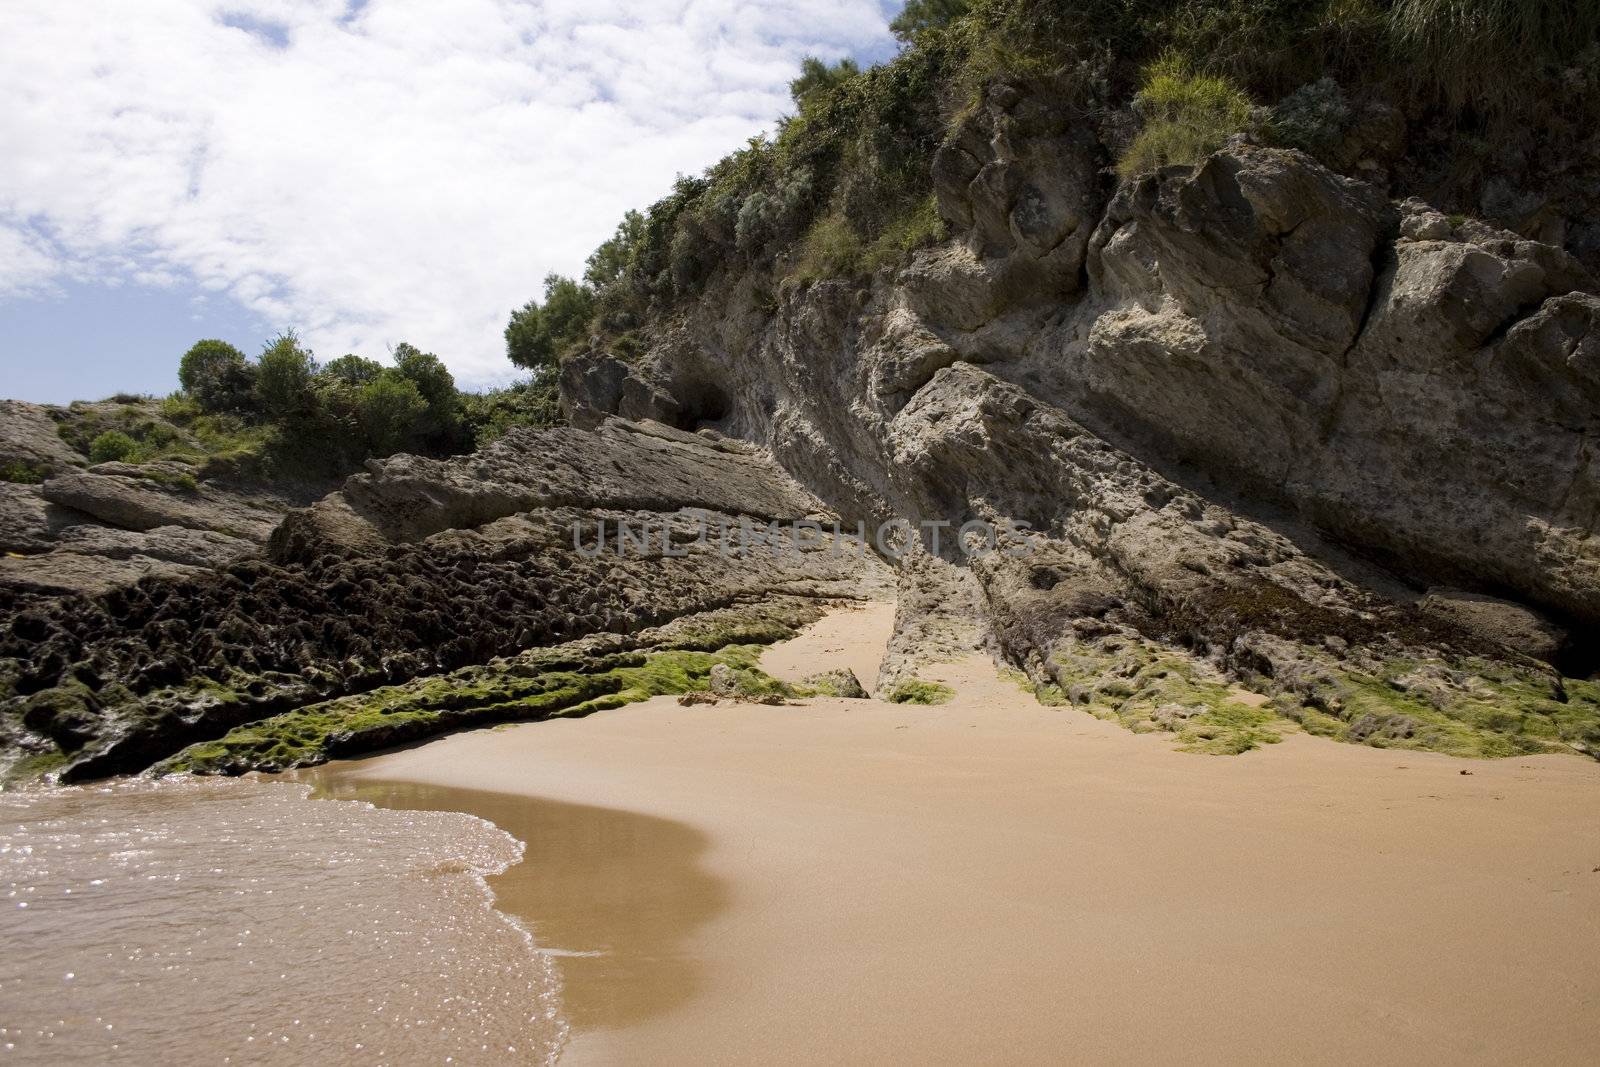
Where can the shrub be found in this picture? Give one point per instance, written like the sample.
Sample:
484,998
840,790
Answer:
20,473
202,356
830,249
113,446
490,415
611,260
920,15
688,262
1187,116
767,218
180,407
353,370
390,409
428,372
441,422
817,77
217,375
537,334
284,376
917,228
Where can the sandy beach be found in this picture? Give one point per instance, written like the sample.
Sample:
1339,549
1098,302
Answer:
996,881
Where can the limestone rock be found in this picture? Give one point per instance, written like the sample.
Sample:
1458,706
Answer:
837,683
1223,421
417,568
1512,625
28,436
724,682
132,503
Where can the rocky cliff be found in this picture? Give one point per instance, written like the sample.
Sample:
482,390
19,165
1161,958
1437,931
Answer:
1269,427
1262,444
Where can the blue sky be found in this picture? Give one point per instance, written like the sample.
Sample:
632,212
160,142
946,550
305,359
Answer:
364,172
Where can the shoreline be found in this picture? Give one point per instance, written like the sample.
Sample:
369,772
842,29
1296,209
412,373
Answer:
993,879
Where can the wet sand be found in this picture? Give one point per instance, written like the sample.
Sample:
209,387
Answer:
995,881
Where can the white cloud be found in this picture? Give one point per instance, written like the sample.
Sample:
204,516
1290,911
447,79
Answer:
370,173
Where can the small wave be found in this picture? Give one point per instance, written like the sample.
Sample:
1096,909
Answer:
243,918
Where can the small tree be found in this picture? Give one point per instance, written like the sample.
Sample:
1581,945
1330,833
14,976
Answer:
538,334
438,389
353,370
284,376
919,15
610,261
432,378
819,77
390,410
217,376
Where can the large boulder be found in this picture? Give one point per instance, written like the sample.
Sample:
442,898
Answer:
29,439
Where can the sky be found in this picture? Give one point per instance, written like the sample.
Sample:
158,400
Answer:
362,171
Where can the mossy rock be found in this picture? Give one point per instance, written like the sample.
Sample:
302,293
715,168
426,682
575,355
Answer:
549,683
1148,689
841,683
918,691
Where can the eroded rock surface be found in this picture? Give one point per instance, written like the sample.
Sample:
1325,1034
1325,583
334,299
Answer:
1256,415
416,569
1259,446
68,527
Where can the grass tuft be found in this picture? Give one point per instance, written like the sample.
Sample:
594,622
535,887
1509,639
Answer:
1187,116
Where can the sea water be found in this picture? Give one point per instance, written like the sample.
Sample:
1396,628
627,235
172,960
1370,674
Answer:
217,921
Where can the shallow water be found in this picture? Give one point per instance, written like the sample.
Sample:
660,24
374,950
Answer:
614,897
239,921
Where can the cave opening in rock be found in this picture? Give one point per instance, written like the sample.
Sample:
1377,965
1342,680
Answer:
702,403
1581,656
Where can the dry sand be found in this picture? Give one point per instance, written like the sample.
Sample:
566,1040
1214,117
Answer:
993,881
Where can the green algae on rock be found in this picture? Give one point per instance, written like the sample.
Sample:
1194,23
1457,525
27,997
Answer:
921,691
564,681
1146,688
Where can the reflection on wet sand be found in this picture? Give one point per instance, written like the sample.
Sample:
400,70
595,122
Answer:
614,896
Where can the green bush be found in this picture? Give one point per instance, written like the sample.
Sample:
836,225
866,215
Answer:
1187,116
440,426
920,15
830,249
352,369
611,260
538,333
817,77
201,360
113,446
284,379
390,409
20,473
180,408
534,404
217,376
919,227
